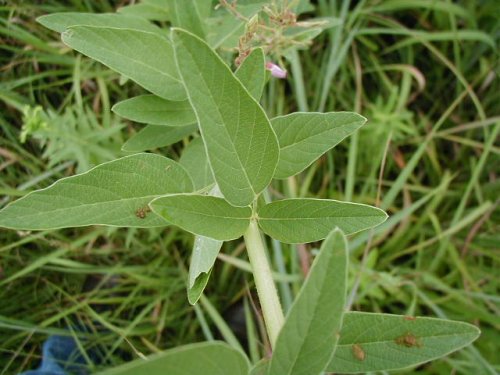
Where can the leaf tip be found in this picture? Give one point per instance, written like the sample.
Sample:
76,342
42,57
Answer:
42,20
475,331
383,215
337,234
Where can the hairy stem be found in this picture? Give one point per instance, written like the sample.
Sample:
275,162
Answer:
266,289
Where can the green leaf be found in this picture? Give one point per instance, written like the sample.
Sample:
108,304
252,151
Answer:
241,145
116,193
304,137
302,6
205,251
153,110
204,215
252,73
214,358
194,160
224,29
152,136
307,341
188,15
260,368
146,58
150,10
155,136
376,342
302,35
309,220
61,21
204,255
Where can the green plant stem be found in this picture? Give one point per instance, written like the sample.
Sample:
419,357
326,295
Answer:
268,295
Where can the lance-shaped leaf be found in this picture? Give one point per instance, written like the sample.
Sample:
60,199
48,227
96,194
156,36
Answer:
204,215
148,109
153,10
241,145
116,193
214,358
155,136
307,341
252,73
194,160
204,255
61,21
304,137
189,15
375,342
153,110
205,251
146,58
308,220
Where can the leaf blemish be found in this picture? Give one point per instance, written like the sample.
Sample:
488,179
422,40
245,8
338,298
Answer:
142,212
358,352
407,317
409,340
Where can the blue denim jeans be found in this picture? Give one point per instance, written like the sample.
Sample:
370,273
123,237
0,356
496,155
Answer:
60,356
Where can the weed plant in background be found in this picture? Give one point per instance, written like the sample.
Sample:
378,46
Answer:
243,174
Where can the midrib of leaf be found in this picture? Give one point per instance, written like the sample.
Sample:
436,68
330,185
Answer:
221,117
198,213
304,341
388,341
265,147
161,111
116,54
315,134
312,218
66,181
392,341
88,204
305,201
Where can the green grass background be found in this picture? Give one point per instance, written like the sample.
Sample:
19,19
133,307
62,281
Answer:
424,73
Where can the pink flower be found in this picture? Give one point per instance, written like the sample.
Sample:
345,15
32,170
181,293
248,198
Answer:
276,71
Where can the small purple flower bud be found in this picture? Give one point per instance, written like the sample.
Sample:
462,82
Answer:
276,71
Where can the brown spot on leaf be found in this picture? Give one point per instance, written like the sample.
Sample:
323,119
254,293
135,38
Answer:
142,212
358,352
409,340
407,317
